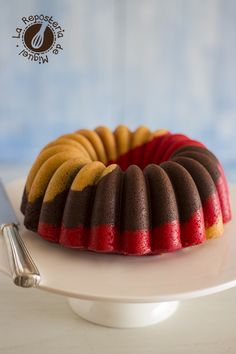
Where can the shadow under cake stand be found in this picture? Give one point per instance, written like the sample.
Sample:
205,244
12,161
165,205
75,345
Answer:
118,291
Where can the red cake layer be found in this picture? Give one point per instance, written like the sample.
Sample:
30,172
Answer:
193,230
103,238
166,238
135,242
211,210
49,232
166,142
141,155
150,149
75,237
178,144
156,151
224,199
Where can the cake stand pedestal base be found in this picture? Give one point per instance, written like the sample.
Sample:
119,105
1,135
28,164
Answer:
123,315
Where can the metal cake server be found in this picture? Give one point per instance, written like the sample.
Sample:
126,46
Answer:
23,269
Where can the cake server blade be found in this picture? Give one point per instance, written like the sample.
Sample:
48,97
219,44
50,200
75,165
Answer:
7,214
23,269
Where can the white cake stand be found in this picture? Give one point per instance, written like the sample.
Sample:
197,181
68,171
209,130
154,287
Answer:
119,291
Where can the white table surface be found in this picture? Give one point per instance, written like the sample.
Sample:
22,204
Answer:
33,321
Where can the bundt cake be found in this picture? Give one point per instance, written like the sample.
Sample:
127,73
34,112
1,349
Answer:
133,193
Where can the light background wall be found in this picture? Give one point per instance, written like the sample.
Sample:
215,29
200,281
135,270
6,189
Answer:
164,63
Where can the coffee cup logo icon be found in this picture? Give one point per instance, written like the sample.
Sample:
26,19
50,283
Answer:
40,35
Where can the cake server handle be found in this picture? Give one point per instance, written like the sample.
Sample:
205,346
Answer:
23,269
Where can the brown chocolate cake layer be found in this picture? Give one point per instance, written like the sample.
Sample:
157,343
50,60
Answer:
78,207
162,197
186,192
194,148
106,205
134,208
32,213
205,160
199,173
52,211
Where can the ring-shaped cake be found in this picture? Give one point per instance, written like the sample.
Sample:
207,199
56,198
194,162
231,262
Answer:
131,193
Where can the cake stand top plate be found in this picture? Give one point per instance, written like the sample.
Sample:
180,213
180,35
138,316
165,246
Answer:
188,273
